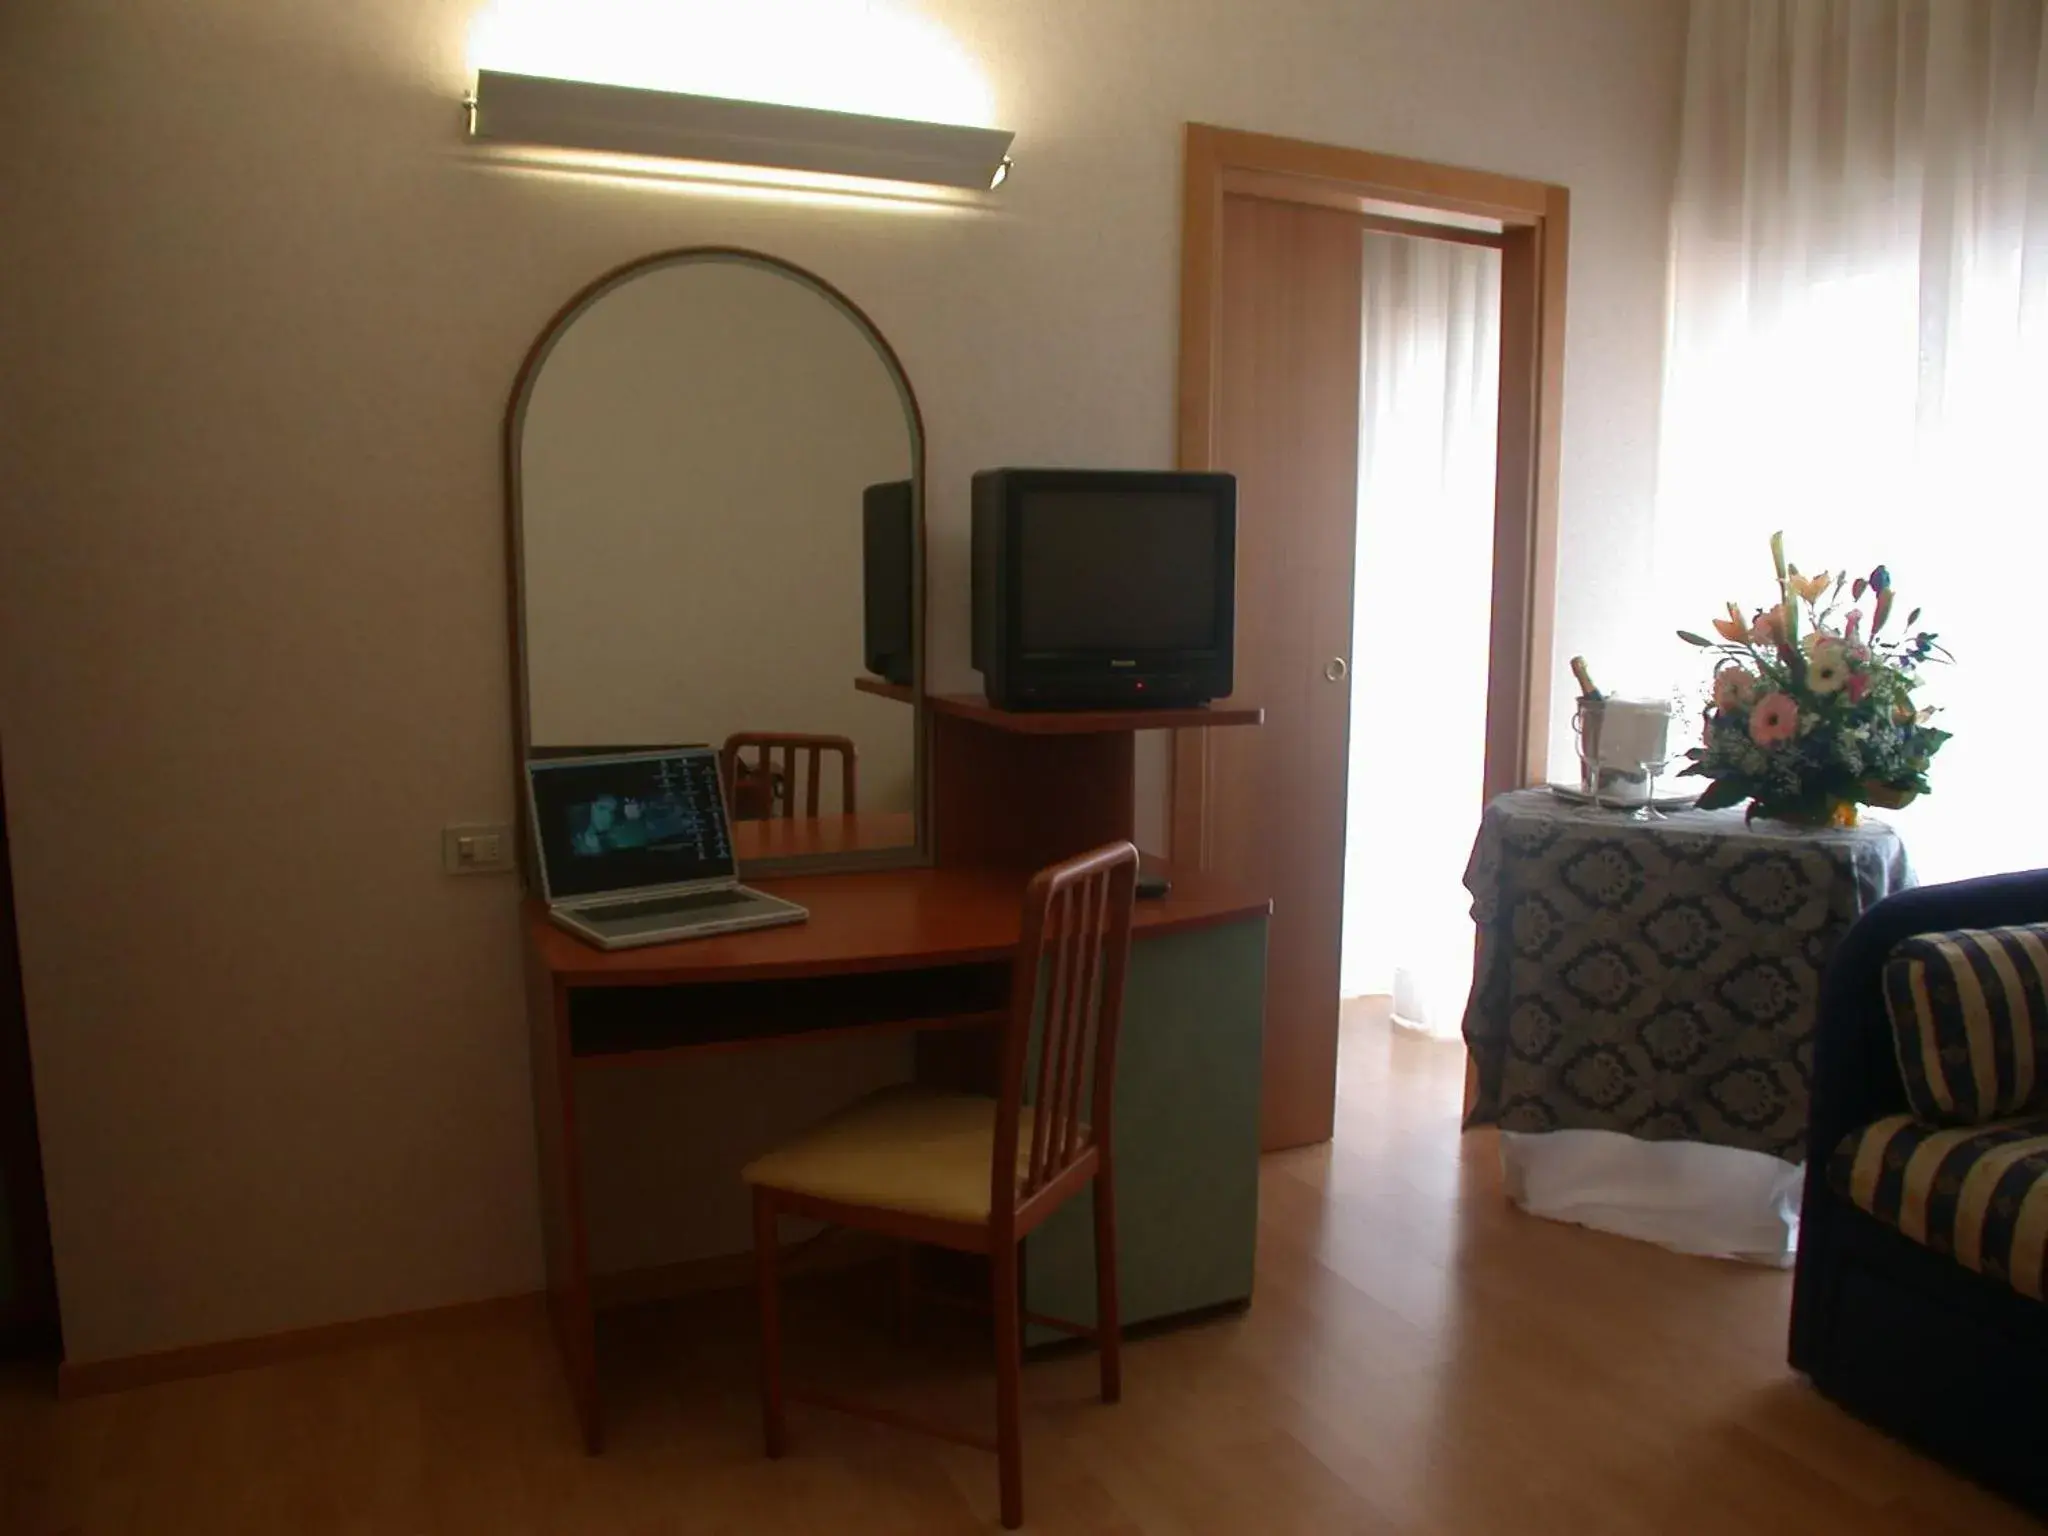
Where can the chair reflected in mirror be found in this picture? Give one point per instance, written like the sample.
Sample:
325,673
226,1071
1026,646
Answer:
785,767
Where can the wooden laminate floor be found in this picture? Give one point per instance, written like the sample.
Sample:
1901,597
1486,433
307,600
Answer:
1420,1358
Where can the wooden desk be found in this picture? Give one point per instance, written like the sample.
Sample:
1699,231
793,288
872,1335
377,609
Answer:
890,919
931,949
786,837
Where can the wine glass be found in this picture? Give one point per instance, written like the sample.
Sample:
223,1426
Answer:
1648,811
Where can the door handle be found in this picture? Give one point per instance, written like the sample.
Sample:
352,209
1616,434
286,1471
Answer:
1335,668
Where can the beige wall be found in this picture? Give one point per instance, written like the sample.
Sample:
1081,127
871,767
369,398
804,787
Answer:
261,313
693,454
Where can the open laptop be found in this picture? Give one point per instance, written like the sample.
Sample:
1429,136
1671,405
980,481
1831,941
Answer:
635,848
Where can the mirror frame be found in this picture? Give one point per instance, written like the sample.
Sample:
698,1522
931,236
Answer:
918,852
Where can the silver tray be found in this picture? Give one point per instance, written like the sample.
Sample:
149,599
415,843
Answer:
1571,794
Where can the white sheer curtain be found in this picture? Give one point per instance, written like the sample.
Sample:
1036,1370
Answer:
1859,353
1428,407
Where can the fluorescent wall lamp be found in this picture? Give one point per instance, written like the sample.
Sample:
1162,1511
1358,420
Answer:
622,119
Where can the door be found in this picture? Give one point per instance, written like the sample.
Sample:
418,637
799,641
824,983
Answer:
1287,427
1272,262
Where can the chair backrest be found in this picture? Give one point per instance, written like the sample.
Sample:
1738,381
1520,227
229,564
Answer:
1069,978
751,788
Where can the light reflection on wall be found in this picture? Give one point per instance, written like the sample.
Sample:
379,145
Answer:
744,183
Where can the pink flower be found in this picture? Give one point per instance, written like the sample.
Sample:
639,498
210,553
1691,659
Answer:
1859,685
1852,629
1734,688
1775,719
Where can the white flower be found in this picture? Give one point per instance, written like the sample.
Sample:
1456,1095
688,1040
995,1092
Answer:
1828,668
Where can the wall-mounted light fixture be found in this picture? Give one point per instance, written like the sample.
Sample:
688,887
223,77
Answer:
511,108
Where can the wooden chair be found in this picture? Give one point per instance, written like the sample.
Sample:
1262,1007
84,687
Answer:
760,790
976,1174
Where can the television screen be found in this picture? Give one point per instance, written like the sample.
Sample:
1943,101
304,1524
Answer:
1116,570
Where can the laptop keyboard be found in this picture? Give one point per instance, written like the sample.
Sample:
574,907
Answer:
669,906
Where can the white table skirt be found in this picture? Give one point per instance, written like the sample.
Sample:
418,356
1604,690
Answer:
1689,1196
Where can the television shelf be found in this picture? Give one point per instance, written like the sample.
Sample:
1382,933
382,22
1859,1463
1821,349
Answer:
885,690
1086,722
1064,722
1020,788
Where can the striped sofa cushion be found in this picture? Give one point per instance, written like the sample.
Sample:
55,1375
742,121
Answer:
1969,1014
1976,1193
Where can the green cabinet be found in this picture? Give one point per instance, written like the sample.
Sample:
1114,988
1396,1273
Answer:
1187,1138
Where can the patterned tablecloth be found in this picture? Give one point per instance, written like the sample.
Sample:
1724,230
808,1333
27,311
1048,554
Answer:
1658,978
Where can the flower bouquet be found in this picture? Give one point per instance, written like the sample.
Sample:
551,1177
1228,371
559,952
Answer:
1813,713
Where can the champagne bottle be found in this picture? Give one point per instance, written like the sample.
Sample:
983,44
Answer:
1585,677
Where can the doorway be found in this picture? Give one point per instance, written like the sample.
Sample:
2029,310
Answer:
1274,261
1428,415
28,1289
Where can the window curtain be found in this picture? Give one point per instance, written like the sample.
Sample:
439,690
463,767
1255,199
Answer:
1429,403
1858,354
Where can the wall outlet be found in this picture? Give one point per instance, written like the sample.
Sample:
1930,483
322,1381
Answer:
477,849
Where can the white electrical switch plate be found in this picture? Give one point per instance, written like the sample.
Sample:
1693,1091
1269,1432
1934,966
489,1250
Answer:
476,849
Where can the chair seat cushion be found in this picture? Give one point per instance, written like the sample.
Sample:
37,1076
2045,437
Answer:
903,1149
1978,1194
1969,1012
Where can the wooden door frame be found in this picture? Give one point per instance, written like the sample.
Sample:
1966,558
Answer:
1529,221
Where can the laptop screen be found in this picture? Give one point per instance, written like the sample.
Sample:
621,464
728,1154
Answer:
625,823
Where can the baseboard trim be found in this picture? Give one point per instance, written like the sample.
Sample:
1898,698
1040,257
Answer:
828,1250
93,1377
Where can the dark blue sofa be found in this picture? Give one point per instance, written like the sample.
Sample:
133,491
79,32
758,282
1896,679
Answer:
1901,1335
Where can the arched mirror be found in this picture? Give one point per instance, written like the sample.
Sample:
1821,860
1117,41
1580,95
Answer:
715,466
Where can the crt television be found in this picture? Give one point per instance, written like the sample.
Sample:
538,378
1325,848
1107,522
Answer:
1100,589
